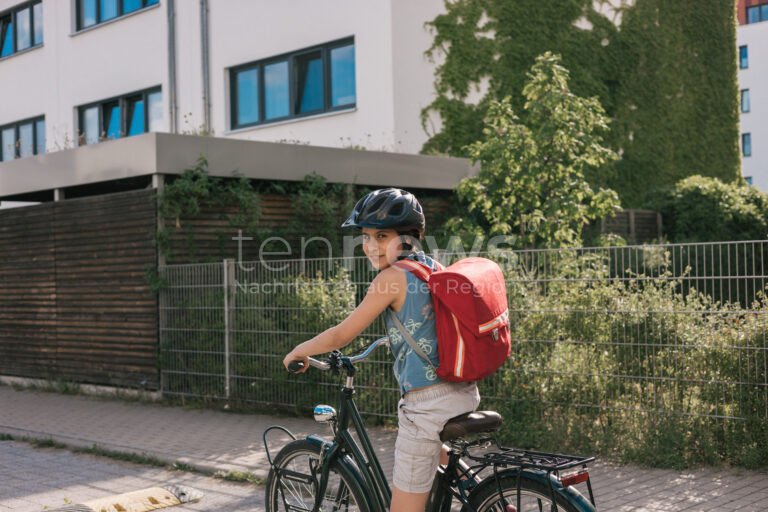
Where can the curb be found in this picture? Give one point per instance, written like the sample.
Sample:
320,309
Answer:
199,465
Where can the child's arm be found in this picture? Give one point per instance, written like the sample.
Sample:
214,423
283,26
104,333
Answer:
384,290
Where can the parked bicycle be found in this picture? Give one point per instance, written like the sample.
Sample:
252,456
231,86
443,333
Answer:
340,474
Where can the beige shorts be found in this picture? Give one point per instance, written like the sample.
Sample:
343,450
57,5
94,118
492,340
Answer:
421,415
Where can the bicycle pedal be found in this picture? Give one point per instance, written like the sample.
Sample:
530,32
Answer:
511,508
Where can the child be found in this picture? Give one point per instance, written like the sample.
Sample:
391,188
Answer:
389,218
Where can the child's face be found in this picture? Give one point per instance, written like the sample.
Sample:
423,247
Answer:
382,246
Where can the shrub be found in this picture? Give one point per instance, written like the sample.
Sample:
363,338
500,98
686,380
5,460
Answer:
701,209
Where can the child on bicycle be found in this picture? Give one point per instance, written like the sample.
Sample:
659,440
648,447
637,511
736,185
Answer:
392,223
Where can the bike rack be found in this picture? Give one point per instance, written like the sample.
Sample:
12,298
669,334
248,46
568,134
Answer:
551,463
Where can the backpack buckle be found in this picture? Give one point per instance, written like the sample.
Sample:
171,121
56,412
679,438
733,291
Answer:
495,334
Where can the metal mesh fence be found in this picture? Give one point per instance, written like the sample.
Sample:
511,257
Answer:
673,329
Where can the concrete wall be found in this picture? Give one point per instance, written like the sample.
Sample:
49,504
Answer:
393,79
71,69
755,78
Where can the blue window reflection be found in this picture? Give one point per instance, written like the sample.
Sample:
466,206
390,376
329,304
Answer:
276,100
8,139
40,137
112,121
7,37
131,5
91,125
753,14
305,82
309,78
23,29
87,13
136,117
155,111
743,57
745,100
108,9
343,75
152,2
746,144
764,12
247,87
37,16
26,140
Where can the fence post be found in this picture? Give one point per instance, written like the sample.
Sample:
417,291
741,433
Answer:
228,281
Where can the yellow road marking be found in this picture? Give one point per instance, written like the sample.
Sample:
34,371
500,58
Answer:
140,501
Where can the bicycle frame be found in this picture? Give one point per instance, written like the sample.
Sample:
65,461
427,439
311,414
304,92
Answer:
360,459
455,480
363,456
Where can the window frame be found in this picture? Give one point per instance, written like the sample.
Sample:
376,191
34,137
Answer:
759,9
749,102
123,101
120,13
745,58
746,136
15,125
14,42
291,57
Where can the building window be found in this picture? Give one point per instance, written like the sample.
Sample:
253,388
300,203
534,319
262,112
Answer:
745,100
127,115
301,83
757,13
746,144
93,12
22,139
748,179
743,58
21,28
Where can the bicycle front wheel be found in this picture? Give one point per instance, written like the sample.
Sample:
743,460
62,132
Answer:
293,489
534,496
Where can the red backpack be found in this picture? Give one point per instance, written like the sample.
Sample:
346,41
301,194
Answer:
472,316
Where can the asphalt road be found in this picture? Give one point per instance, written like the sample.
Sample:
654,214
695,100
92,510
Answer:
35,479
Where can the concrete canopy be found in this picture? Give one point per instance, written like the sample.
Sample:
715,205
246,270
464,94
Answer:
164,153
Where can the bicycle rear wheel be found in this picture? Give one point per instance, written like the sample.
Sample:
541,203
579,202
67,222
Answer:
534,496
293,490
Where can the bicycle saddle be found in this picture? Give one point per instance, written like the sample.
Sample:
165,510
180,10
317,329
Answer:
469,423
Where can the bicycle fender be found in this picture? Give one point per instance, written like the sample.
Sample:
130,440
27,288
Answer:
344,460
574,496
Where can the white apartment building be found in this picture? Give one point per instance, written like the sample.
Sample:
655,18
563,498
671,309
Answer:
752,35
337,73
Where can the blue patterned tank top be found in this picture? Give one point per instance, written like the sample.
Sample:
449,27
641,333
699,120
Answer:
418,317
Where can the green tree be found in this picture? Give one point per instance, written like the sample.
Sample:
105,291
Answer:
532,180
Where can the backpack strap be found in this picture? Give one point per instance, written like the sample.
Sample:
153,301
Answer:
418,269
423,272
408,338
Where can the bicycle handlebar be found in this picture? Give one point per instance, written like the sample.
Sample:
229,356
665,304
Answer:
295,366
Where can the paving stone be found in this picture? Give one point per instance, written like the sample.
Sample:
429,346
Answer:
216,440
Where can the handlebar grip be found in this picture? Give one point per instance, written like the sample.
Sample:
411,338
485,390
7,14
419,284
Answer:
295,366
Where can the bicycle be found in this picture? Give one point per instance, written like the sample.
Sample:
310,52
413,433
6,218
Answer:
336,474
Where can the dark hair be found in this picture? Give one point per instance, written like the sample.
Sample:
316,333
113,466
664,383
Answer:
411,231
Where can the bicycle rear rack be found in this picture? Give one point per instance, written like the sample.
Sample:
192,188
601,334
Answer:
551,463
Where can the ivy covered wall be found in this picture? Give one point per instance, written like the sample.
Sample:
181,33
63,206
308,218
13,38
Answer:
665,72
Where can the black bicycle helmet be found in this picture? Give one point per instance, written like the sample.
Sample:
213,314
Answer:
387,208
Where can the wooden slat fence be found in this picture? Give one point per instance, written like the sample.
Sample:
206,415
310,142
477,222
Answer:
74,300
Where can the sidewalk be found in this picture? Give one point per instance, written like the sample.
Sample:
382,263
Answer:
214,440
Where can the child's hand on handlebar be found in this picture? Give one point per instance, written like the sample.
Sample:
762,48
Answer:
291,357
